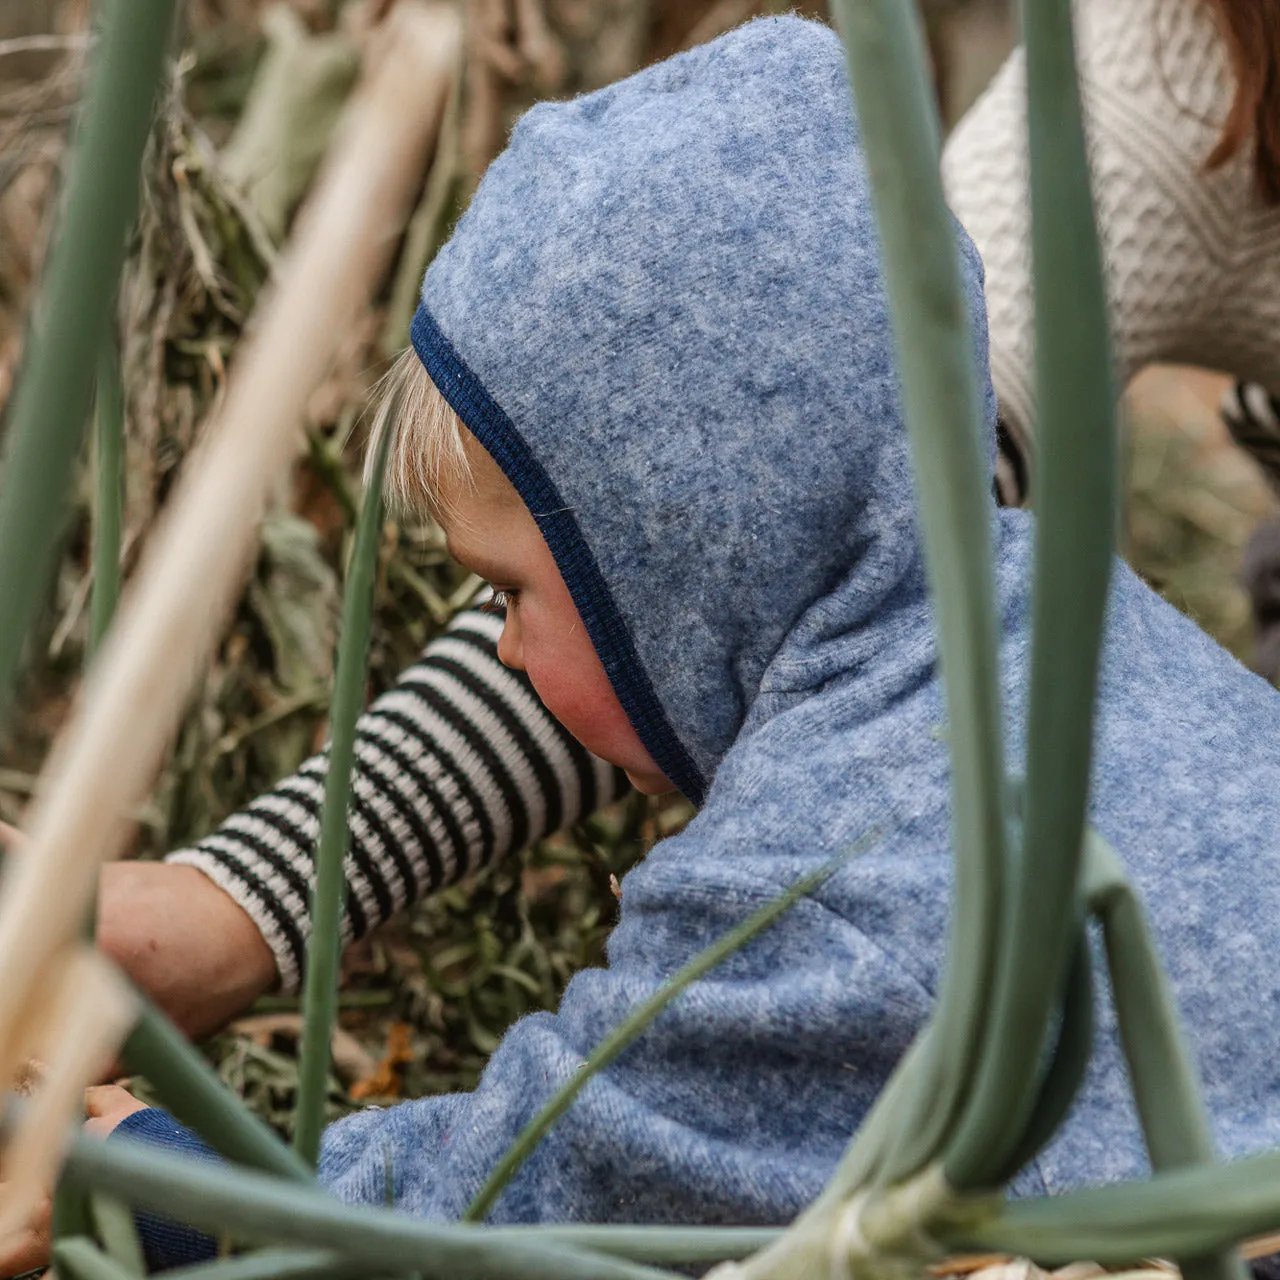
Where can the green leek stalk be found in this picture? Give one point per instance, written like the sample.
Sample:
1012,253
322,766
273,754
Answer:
1191,1212
696,1245
51,401
948,431
79,1258
1174,1119
114,1227
274,1264
262,1208
320,991
70,1216
108,506
1075,543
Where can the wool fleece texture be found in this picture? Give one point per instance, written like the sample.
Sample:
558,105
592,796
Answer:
663,315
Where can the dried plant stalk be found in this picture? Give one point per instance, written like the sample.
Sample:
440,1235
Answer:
89,1009
105,760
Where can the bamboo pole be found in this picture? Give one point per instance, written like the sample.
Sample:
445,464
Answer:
105,760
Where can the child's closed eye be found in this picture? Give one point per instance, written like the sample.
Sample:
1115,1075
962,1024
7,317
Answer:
498,602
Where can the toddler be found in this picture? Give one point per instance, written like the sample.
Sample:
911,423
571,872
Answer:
652,398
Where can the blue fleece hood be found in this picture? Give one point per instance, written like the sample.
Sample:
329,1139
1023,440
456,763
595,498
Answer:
664,316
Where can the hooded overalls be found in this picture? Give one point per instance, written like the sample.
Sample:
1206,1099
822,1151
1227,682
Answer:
663,316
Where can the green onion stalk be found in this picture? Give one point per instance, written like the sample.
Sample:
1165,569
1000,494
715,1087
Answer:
51,401
320,990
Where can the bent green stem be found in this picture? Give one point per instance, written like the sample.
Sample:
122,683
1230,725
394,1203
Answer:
191,1090
271,1210
1174,1120
631,1027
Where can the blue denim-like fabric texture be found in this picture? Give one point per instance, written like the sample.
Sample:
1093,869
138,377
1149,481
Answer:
663,314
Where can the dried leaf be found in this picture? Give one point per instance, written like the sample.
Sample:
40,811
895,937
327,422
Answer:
384,1081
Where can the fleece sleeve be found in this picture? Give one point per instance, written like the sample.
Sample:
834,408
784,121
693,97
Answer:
165,1243
456,766
733,1107
737,1103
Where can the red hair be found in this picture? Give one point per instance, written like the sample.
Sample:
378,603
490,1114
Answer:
1251,29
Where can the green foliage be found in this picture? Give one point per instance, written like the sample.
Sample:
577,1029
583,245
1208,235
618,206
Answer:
47,418
320,993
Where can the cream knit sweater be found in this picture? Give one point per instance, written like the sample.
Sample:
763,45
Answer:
1192,258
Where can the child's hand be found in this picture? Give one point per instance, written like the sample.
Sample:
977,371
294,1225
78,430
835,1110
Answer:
106,1105
28,1249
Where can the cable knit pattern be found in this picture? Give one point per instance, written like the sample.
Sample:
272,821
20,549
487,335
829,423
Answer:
1192,258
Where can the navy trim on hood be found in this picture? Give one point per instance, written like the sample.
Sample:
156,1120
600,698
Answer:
487,421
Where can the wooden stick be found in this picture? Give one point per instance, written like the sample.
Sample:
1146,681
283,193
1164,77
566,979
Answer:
105,760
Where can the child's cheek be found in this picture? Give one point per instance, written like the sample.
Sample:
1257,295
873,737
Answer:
574,688
573,701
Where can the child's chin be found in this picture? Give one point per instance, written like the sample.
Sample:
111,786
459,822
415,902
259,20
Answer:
649,784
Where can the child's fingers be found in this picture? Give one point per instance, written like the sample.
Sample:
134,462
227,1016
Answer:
106,1105
11,838
27,1249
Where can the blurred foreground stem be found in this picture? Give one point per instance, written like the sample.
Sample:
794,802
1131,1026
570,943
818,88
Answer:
108,489
51,401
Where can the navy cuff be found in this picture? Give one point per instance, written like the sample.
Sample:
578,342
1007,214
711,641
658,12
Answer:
166,1243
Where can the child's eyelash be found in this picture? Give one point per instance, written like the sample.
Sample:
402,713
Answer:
499,602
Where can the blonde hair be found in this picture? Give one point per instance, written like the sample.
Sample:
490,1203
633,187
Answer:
427,450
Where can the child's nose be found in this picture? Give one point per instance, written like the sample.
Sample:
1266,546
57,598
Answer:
510,648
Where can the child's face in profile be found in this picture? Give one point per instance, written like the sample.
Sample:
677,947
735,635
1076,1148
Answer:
491,532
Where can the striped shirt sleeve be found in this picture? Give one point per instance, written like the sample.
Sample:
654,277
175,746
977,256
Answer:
456,766
1252,415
